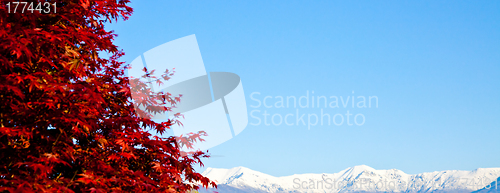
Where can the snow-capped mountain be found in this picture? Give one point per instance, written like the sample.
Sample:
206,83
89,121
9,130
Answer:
493,187
354,179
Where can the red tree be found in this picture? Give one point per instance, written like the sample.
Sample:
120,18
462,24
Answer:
67,120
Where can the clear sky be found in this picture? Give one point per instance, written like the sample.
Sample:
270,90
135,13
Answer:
433,65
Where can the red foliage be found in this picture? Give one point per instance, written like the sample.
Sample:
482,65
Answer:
68,123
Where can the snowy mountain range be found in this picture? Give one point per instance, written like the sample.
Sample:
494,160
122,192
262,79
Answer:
355,179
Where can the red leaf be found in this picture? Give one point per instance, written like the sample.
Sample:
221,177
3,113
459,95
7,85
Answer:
64,126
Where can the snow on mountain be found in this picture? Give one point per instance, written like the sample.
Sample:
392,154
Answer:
493,187
354,179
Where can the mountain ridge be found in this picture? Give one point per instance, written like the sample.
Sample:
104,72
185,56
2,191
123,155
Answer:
361,178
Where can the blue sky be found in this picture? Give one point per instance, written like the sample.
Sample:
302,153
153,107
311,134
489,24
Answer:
434,66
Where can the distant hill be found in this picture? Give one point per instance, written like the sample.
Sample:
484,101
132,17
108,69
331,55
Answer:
354,179
493,187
